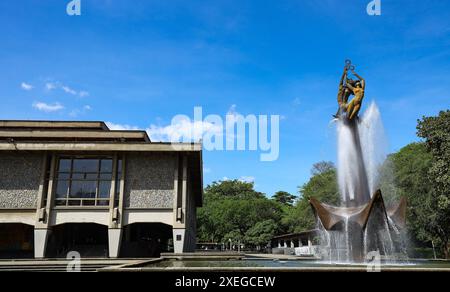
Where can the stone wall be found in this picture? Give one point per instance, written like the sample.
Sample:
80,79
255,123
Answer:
19,180
149,180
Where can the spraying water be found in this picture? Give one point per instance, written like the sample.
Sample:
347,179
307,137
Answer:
352,176
374,143
362,149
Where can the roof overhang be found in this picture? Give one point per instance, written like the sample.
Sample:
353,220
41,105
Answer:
58,135
23,124
56,131
100,146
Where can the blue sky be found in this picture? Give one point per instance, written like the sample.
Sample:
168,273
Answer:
139,63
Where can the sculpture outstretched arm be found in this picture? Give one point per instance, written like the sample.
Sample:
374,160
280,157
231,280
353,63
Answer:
344,74
350,86
342,83
363,82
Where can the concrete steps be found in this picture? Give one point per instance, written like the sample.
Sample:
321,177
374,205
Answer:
87,265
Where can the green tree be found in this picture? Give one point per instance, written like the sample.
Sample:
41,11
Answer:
405,174
321,167
233,188
284,198
233,237
436,132
233,207
323,186
261,233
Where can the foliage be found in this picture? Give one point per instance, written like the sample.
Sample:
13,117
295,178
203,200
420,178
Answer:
231,208
261,233
321,167
405,174
233,188
416,172
322,186
436,132
284,198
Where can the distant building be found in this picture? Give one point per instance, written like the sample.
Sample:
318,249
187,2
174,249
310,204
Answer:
79,186
299,243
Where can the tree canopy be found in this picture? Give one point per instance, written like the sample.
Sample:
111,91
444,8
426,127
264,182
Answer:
436,133
231,209
284,198
323,186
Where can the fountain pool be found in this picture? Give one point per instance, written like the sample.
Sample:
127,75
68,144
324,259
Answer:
264,264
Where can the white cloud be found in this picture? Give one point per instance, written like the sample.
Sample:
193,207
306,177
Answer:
42,106
83,93
182,130
76,112
54,85
185,130
50,86
248,179
206,170
26,86
113,126
296,102
69,90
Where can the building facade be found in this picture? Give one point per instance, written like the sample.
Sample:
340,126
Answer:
79,186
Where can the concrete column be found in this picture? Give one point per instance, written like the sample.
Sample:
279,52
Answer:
285,244
300,243
309,242
178,240
184,190
50,193
40,242
40,208
122,191
113,222
279,243
292,244
180,193
114,240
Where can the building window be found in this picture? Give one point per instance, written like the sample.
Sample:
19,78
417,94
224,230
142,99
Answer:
83,182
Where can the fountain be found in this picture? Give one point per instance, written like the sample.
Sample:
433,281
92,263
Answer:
362,223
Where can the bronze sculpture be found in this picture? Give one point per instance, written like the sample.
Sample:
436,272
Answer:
361,213
349,87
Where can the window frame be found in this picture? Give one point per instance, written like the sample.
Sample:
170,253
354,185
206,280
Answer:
98,180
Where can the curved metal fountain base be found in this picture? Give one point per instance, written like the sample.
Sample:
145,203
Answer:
340,218
330,216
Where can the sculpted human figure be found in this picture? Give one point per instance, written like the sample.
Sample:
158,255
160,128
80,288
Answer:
343,93
357,88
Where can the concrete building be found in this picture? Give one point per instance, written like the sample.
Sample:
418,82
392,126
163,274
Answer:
79,186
